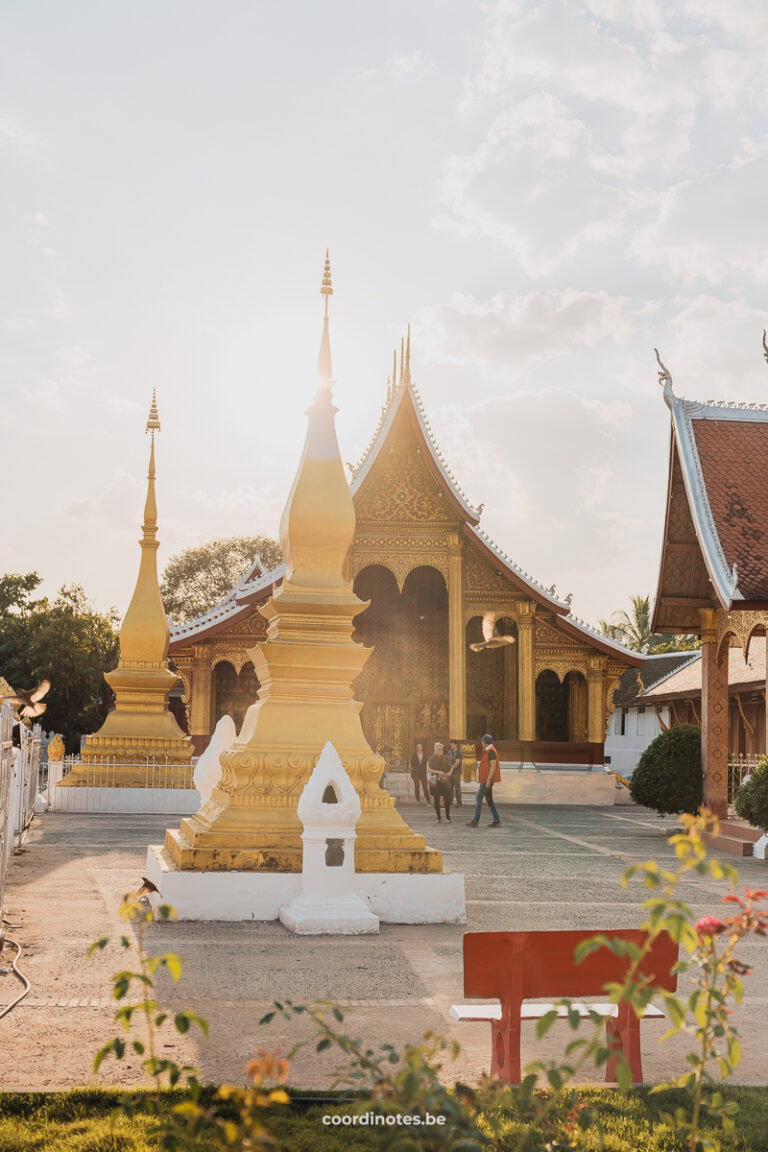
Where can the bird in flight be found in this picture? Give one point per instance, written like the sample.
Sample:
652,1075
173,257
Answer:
29,703
492,638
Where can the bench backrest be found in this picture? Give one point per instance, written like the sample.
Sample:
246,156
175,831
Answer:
532,965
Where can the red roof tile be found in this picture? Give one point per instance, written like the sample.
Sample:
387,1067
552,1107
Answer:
733,455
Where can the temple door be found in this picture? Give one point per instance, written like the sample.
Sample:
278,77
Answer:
386,725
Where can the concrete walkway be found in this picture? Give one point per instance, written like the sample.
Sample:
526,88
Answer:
544,868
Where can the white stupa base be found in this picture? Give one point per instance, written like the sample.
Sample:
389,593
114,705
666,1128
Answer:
395,897
760,847
347,915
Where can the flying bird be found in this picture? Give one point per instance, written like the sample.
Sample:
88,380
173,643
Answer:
28,703
146,887
492,638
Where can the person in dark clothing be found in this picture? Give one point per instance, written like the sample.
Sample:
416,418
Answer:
455,757
488,774
440,781
419,773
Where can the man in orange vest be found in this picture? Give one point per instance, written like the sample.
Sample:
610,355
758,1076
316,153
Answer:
488,774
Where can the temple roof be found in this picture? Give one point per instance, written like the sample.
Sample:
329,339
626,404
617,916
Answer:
743,675
655,669
406,393
715,467
404,401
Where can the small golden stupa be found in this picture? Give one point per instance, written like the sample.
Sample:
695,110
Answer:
305,669
140,727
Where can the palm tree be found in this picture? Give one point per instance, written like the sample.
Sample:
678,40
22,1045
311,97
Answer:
635,625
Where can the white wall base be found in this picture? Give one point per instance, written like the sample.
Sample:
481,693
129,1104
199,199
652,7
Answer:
332,916
555,786
172,801
760,847
395,897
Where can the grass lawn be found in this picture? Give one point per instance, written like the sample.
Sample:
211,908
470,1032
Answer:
81,1121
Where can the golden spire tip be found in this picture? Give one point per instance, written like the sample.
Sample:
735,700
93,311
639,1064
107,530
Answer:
153,420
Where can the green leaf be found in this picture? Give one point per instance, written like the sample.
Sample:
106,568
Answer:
545,1022
181,1020
98,945
623,1075
324,1043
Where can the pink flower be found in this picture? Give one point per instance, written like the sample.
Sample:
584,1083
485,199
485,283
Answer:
709,926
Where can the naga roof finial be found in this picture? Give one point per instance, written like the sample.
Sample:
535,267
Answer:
765,347
665,377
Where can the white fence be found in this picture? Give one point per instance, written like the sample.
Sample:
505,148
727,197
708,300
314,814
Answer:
26,779
100,786
6,808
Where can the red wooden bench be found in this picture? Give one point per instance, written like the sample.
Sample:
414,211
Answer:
514,967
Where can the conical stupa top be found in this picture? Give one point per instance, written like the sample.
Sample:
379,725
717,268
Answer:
318,521
324,369
144,632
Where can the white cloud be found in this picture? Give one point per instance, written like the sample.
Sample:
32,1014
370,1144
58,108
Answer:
413,65
16,135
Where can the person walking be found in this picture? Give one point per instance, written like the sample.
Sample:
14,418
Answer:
440,781
488,774
455,757
419,773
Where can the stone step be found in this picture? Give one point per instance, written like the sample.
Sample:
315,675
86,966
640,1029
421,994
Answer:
740,831
731,845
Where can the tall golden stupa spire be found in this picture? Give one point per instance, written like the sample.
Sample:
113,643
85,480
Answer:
141,726
324,369
305,668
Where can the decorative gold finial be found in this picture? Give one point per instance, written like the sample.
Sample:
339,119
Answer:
389,390
326,289
153,420
324,368
394,368
402,360
408,357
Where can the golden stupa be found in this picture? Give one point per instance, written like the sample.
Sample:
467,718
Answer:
305,669
140,728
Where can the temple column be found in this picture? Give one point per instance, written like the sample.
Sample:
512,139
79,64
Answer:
200,700
714,715
526,673
596,699
510,692
457,647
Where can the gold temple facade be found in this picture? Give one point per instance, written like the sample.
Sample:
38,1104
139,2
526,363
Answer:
431,575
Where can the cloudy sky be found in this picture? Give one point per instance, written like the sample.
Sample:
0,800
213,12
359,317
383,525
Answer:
546,190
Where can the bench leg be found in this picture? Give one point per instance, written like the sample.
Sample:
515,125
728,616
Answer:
624,1037
505,1051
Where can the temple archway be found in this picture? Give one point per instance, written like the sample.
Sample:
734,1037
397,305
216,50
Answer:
233,694
491,683
404,684
561,707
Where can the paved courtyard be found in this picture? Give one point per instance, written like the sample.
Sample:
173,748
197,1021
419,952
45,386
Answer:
544,868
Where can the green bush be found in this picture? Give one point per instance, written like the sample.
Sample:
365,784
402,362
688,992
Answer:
669,777
752,797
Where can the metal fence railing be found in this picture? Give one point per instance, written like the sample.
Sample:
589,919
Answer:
6,808
739,767
27,784
105,785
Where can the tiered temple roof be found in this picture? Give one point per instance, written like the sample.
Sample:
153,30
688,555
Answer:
715,549
404,402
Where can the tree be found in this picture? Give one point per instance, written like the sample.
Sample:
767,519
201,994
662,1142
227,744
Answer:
633,629
197,579
669,777
65,641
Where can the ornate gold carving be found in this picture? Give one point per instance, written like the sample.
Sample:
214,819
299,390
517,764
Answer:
738,624
404,490
237,657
